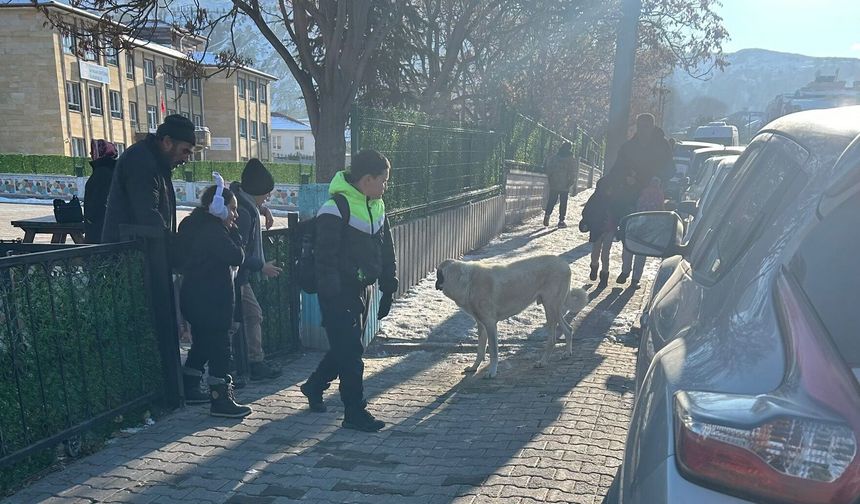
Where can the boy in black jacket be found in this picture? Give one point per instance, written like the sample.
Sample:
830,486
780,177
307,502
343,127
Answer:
349,259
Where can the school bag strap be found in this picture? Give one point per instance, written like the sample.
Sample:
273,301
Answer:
342,207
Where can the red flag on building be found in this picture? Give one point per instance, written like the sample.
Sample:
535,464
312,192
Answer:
163,108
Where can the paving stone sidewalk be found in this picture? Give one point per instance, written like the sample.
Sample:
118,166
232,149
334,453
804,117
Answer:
553,434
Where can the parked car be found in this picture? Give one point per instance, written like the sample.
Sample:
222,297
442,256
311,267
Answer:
682,156
747,374
700,156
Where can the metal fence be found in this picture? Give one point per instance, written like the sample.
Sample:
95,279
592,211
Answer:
434,166
78,343
279,296
528,143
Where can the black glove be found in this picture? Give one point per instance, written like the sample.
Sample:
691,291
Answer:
384,305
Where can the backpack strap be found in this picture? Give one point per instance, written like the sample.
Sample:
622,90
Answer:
343,208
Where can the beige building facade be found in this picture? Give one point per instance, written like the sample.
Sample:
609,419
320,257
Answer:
54,100
239,115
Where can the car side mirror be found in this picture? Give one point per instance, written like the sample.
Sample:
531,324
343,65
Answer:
688,207
653,234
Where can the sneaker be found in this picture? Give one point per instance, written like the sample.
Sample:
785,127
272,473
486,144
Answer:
361,420
621,278
546,221
262,370
561,225
593,274
315,399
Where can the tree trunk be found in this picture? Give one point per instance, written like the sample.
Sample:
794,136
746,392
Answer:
330,147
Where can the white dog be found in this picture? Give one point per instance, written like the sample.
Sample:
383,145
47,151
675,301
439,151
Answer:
490,293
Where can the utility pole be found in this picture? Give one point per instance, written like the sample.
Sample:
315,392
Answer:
622,79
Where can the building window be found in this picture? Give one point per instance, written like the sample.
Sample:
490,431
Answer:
96,105
185,115
263,92
241,87
183,85
300,143
264,132
78,147
73,95
168,76
149,71
132,113
68,43
198,120
91,53
243,128
115,104
276,142
151,116
120,148
195,85
254,130
129,66
252,90
111,56
171,111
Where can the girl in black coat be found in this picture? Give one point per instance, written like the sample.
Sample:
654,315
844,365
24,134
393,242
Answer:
103,154
212,249
599,220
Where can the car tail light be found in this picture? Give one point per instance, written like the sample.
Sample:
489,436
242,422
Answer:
797,444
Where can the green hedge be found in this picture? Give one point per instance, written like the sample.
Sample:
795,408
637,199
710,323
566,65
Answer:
201,171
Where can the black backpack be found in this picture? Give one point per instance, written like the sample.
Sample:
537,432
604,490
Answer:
306,262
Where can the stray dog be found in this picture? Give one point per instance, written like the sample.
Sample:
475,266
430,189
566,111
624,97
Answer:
490,293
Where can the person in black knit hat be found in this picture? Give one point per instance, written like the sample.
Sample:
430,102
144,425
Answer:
252,192
141,190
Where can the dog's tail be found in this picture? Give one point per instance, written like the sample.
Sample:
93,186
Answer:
576,300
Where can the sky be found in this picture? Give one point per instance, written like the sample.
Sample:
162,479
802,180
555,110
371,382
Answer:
809,27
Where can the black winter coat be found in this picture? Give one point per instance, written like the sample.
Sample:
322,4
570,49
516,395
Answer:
348,259
96,196
141,191
207,297
251,230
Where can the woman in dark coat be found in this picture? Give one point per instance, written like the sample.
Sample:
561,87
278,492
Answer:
103,154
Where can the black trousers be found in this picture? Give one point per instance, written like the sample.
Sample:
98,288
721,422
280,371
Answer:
209,344
561,198
344,320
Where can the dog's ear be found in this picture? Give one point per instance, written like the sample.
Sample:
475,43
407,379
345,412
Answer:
440,278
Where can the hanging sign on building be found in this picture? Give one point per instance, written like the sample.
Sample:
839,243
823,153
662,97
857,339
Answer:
220,144
96,73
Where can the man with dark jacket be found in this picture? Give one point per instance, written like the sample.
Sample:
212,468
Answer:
647,154
350,257
560,169
141,191
252,192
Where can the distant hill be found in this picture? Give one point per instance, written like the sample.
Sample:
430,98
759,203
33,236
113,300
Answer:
754,77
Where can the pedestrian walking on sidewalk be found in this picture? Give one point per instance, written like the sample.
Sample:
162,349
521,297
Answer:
212,251
651,198
601,224
560,169
252,192
350,257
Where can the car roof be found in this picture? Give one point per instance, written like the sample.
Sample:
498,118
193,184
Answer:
824,133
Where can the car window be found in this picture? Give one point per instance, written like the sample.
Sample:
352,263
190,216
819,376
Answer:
827,269
755,196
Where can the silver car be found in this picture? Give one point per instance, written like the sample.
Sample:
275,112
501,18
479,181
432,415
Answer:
748,366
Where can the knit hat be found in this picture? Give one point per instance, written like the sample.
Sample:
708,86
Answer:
256,179
102,148
177,127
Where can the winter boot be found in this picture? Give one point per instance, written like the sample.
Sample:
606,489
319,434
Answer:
262,370
604,279
622,278
593,274
223,402
361,419
561,224
315,398
546,220
191,385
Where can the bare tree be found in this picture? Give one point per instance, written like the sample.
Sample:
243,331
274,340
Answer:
329,47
